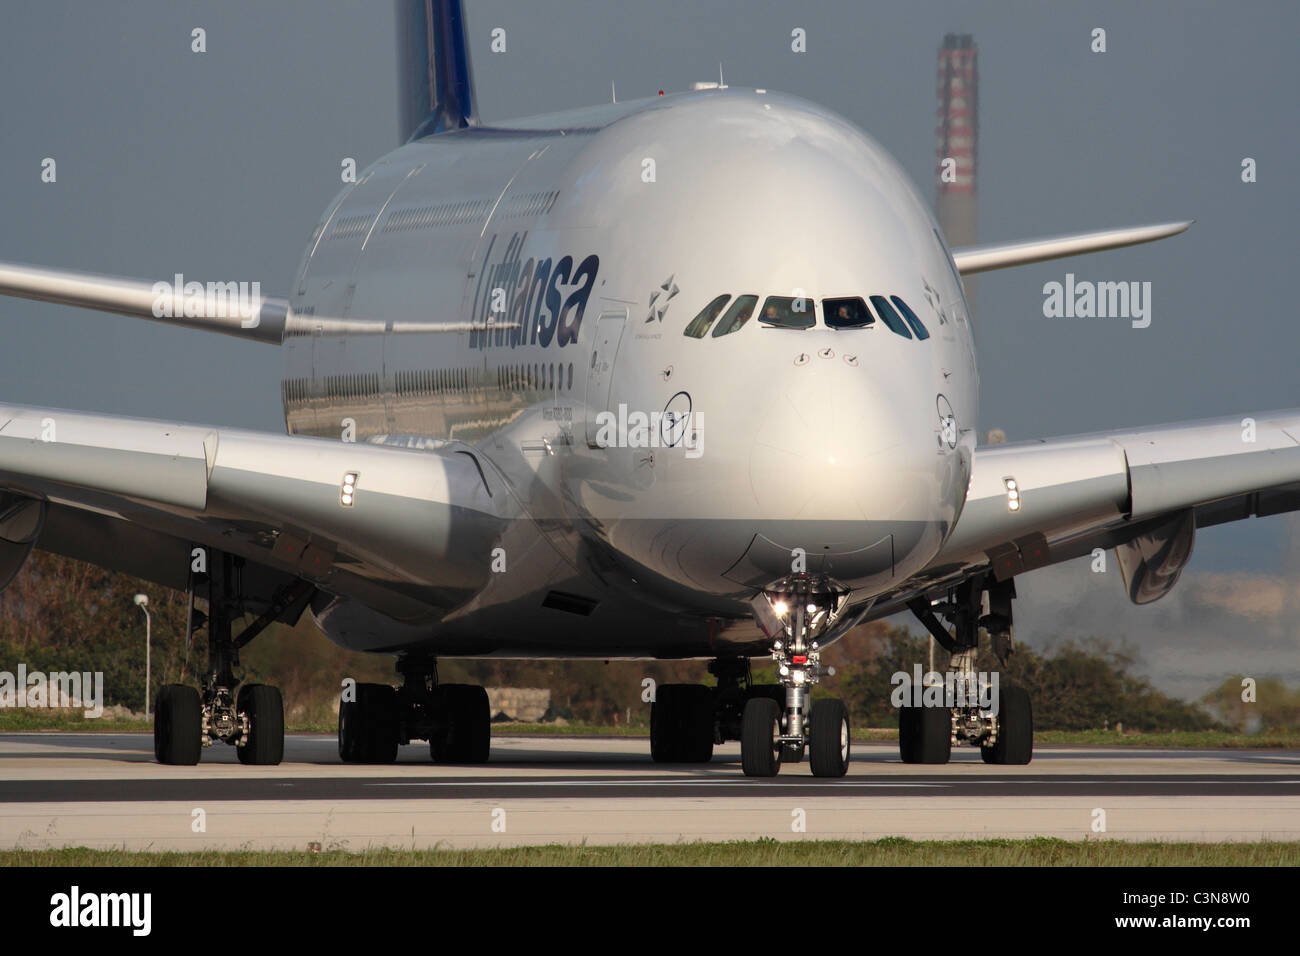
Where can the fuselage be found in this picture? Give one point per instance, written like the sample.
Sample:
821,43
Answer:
626,312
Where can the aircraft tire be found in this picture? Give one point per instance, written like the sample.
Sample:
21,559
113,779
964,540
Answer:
829,745
681,724
265,709
468,734
1015,743
178,726
760,751
925,734
368,726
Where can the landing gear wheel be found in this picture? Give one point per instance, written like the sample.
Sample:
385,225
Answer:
760,730
468,734
1015,743
178,726
828,748
925,734
265,709
368,726
681,724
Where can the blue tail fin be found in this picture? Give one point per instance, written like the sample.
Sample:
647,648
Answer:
436,85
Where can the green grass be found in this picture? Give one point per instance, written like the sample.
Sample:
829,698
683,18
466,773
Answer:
21,720
892,851
1194,739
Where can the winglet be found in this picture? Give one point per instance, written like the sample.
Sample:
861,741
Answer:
1003,255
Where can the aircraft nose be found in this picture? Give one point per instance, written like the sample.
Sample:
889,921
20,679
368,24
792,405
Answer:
832,446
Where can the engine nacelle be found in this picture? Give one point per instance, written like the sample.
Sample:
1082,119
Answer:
21,520
1151,563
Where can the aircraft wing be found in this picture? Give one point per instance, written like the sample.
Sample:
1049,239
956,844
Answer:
402,529
1020,252
215,307
1142,492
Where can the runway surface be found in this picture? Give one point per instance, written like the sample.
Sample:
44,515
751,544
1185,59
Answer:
105,790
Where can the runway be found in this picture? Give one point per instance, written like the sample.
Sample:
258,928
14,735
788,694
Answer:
105,790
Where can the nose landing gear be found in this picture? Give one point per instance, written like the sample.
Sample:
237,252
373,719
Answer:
795,613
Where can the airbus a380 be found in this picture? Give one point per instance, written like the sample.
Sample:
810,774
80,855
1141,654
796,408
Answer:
569,387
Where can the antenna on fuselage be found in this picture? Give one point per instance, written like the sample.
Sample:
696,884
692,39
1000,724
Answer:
613,94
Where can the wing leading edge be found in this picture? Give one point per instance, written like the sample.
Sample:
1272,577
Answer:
1142,492
418,527
1003,255
231,308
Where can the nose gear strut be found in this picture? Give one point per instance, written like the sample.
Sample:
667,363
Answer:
795,613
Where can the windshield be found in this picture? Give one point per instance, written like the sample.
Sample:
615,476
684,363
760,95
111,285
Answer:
785,312
851,313
736,316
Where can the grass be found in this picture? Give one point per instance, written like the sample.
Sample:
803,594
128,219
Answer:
891,851
23,720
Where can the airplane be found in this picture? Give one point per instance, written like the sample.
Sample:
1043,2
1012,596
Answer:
567,387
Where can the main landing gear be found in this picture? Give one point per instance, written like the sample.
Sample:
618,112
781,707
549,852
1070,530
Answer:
249,717
374,719
773,722
957,709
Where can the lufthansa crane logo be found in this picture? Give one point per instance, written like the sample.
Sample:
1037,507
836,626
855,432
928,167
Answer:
947,422
659,299
676,419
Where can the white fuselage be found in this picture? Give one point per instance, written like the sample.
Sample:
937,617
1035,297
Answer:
532,276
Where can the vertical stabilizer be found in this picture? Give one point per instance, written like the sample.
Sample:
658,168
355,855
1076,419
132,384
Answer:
436,86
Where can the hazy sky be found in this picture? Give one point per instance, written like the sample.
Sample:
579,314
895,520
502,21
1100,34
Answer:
217,165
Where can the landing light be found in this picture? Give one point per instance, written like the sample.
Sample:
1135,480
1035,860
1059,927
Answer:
779,607
347,493
1013,494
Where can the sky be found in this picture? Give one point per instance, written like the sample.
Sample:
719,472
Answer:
218,164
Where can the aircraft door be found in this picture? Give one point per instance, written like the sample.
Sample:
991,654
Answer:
600,368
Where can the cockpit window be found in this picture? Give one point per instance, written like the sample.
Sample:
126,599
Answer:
912,319
740,312
889,316
783,312
700,324
847,313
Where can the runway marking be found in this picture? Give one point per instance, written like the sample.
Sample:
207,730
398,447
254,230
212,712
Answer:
707,782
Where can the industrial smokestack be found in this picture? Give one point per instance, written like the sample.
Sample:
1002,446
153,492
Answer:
958,147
